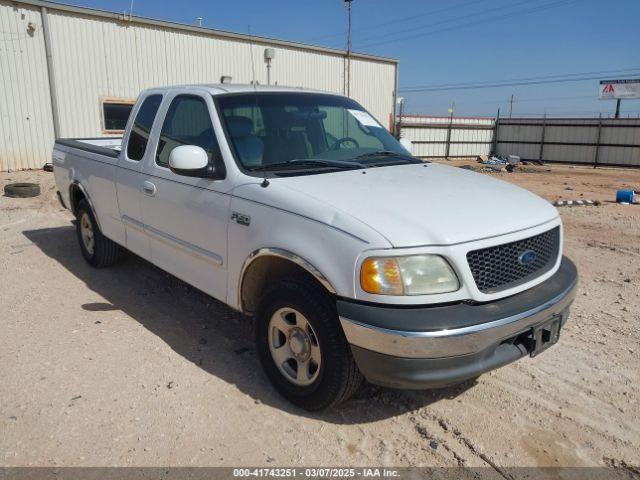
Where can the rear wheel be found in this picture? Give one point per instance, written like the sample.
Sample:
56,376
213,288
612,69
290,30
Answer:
97,249
302,347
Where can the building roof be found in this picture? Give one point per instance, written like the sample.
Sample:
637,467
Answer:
122,17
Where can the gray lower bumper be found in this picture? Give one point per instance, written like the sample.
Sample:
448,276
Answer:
450,343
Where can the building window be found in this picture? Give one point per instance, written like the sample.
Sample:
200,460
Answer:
115,114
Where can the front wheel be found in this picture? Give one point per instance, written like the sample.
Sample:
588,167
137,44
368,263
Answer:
302,347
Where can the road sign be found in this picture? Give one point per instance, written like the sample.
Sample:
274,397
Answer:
619,89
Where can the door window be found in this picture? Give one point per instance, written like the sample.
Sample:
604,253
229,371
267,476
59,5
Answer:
141,128
188,123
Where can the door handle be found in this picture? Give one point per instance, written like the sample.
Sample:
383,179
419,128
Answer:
149,188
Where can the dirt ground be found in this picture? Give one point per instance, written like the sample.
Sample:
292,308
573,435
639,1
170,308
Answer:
129,366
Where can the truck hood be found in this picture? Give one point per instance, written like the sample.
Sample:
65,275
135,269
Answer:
430,204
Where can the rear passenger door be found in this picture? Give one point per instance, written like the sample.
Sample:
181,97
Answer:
129,177
186,217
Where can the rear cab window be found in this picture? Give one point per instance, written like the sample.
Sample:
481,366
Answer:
141,128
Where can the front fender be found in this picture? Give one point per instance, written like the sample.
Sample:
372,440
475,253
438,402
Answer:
326,252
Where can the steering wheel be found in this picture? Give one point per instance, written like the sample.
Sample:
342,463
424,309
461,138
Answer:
339,142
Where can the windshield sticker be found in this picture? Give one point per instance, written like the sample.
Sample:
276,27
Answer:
364,118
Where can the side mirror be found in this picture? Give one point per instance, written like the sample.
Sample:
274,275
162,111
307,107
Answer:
190,161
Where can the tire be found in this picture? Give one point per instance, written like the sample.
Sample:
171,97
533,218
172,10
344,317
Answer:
101,252
337,377
22,190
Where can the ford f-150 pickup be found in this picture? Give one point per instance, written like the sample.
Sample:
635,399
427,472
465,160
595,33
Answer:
356,259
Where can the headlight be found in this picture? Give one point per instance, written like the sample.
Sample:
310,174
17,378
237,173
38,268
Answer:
411,275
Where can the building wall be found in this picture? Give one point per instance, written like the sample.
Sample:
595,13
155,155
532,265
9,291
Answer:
26,125
97,57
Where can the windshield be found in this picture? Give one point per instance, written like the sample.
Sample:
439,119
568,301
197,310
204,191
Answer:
302,131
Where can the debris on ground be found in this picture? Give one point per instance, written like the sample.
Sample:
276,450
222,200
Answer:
627,197
497,162
577,203
22,190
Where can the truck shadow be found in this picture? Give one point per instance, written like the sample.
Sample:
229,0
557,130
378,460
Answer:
207,332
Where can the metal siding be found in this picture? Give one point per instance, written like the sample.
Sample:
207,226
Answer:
523,150
573,131
372,84
466,142
26,125
97,57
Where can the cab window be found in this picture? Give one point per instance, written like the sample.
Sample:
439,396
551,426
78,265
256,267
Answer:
141,128
188,123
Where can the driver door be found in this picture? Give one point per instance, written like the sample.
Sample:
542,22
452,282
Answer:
186,217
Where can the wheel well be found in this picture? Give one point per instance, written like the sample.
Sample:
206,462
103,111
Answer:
76,195
264,272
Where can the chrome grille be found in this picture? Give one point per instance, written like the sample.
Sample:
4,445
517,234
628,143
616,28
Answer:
504,266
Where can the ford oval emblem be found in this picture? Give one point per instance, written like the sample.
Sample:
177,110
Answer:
527,257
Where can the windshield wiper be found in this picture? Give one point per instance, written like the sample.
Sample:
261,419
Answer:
388,153
308,162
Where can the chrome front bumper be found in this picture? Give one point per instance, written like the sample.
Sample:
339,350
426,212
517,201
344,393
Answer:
455,331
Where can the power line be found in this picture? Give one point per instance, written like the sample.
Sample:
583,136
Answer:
543,77
398,20
564,78
469,24
514,84
442,22
505,100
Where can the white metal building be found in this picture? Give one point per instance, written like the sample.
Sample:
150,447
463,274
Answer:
68,71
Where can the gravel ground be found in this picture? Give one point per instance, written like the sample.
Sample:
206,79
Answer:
130,366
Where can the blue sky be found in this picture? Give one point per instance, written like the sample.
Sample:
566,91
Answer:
451,42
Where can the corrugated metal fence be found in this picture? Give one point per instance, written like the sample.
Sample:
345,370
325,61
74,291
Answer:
589,141
448,136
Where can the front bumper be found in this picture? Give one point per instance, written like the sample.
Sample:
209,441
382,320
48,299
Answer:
429,347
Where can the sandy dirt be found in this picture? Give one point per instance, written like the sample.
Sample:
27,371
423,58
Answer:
130,366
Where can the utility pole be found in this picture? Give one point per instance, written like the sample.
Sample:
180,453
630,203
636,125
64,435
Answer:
448,145
617,108
348,73
511,105
494,149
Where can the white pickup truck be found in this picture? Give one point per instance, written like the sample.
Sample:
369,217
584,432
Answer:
298,208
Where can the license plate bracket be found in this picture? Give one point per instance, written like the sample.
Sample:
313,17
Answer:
545,335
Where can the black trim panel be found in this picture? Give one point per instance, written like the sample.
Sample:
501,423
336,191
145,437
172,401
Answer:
87,147
417,373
